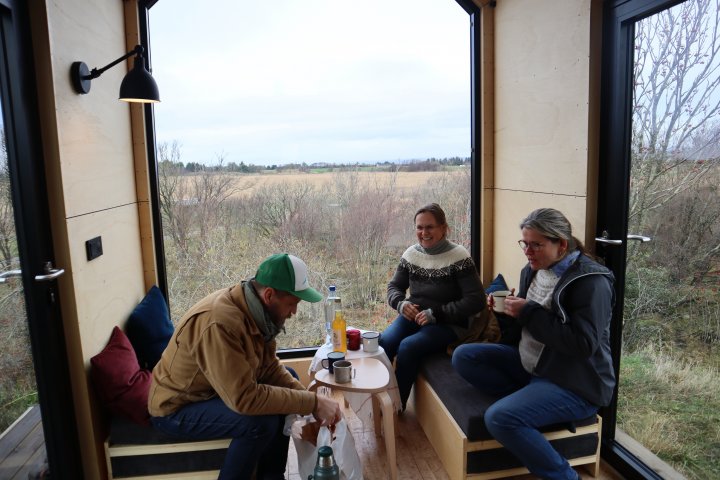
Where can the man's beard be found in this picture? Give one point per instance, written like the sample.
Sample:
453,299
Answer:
276,317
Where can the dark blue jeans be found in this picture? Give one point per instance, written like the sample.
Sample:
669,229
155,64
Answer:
411,343
256,439
529,403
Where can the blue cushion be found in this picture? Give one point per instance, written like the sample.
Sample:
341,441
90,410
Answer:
150,328
497,284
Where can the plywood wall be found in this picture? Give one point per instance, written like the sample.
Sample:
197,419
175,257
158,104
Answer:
543,113
92,186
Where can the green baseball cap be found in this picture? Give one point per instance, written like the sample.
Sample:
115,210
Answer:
289,274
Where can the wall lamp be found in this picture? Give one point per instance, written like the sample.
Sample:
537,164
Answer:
137,86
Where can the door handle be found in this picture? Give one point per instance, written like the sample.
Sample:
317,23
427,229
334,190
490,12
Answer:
639,238
9,274
50,273
607,241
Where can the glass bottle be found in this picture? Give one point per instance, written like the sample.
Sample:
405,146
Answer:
339,331
332,300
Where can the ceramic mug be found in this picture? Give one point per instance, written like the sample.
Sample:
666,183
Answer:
344,372
353,339
332,357
499,298
370,341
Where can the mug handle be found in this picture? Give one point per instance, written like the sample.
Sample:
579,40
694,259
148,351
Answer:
325,364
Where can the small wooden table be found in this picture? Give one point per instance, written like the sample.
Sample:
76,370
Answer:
372,377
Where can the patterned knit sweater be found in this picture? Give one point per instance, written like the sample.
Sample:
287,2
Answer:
442,279
540,291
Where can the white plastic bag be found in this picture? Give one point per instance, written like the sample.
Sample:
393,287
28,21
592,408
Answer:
343,446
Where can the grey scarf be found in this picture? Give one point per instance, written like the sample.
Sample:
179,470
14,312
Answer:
259,314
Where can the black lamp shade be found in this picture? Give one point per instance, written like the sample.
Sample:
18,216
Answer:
138,85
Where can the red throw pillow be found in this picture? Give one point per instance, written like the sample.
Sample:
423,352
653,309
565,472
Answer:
121,384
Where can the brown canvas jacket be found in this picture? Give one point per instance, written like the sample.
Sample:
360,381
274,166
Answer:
217,349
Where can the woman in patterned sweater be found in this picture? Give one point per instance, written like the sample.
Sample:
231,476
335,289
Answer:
444,293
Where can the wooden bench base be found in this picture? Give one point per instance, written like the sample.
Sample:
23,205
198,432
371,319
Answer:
155,453
452,445
135,452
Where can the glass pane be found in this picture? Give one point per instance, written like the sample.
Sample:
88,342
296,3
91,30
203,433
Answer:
669,372
17,383
287,127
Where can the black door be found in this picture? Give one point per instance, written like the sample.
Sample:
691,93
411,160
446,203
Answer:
28,255
658,229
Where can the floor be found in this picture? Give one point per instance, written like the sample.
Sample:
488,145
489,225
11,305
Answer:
22,447
415,456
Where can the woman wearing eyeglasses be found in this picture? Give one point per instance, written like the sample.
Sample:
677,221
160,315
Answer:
553,363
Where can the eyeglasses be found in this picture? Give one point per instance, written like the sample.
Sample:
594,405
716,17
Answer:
534,246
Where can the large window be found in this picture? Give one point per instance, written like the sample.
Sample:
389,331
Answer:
315,128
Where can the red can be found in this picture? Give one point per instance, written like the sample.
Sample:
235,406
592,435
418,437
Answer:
353,339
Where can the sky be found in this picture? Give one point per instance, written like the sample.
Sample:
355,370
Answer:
293,81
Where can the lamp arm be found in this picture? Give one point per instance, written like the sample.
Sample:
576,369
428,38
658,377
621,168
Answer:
96,72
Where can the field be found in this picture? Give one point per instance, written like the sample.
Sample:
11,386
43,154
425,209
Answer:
245,184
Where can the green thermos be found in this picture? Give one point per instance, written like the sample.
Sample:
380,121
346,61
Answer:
325,468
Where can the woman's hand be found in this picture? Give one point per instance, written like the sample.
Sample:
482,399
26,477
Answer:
513,305
491,300
421,319
410,311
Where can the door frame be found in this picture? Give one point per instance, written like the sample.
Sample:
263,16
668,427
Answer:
619,18
32,225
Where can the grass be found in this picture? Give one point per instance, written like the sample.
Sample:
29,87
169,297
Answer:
671,406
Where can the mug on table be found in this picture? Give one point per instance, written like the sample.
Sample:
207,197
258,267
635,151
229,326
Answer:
344,371
332,357
353,339
370,341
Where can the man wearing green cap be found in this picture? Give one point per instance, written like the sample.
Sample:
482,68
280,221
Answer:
219,376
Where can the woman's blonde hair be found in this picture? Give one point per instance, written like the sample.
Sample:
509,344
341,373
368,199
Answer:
553,225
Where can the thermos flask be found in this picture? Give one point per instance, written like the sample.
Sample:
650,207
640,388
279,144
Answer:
325,468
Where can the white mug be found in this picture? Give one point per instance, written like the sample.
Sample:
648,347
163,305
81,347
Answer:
499,298
370,341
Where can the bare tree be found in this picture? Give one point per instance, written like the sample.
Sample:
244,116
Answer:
7,219
676,101
194,205
174,197
674,150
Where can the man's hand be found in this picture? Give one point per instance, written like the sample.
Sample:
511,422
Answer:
327,411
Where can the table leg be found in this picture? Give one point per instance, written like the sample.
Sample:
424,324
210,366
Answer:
388,413
376,414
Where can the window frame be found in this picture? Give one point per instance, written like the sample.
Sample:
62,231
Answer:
473,12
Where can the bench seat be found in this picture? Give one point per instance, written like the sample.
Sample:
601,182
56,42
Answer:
451,411
135,452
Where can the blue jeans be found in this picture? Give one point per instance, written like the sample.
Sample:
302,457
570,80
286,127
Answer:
514,420
256,439
411,343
